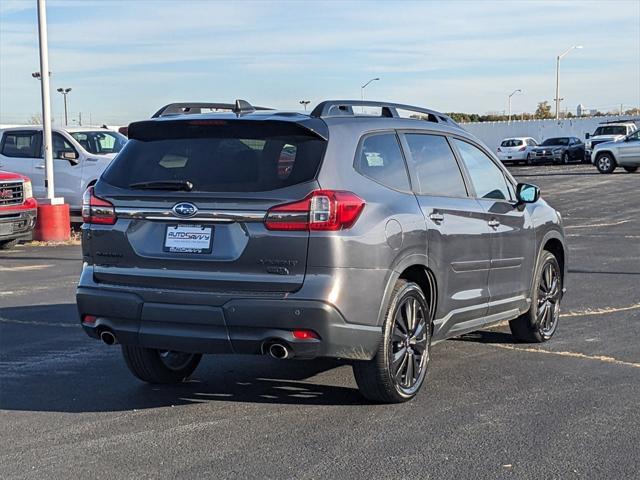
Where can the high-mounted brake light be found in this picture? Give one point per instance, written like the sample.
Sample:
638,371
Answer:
96,210
320,210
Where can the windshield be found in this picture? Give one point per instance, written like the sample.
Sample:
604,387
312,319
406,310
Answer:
610,130
238,158
100,142
512,142
555,141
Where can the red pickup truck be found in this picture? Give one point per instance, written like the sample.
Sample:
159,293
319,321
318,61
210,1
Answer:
18,209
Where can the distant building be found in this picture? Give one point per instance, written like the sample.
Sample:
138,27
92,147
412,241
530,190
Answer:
581,110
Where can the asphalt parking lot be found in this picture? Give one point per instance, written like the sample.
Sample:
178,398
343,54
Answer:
491,408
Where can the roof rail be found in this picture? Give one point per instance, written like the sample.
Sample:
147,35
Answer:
339,108
240,107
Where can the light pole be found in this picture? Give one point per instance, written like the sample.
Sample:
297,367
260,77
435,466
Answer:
558,58
305,103
46,100
519,90
65,92
365,86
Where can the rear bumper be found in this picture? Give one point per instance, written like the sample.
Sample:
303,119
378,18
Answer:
241,325
16,223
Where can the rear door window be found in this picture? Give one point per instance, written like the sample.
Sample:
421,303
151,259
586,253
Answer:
380,159
435,166
21,144
225,158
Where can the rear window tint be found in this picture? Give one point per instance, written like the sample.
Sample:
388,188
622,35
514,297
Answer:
511,143
238,159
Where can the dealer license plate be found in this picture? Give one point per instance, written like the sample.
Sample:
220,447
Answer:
188,239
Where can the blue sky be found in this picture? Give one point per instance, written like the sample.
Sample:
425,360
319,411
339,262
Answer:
124,59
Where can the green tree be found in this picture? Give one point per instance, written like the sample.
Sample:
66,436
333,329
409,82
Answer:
543,110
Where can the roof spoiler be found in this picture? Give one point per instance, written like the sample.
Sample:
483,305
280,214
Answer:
339,108
240,107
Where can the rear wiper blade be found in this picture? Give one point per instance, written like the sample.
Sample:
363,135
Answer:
185,185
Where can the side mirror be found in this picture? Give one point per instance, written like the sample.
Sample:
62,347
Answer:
527,193
586,136
68,154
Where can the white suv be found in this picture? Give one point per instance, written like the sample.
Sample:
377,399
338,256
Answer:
516,149
608,132
79,157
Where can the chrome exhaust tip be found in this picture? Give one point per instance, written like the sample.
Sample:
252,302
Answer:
108,337
280,351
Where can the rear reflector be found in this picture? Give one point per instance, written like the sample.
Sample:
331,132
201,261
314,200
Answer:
96,210
320,210
305,335
89,319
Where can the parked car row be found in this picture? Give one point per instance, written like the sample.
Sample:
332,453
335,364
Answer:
612,145
552,150
80,155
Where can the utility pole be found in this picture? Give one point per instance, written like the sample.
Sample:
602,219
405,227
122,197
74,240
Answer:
558,58
65,92
46,100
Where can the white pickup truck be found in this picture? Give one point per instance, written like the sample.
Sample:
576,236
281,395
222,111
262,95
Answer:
608,132
79,157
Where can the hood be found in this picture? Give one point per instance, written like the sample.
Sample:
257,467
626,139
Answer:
11,176
606,138
606,144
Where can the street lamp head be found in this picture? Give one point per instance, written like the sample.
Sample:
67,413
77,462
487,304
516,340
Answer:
578,46
60,90
67,90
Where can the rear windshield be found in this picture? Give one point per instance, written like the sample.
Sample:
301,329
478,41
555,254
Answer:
238,158
512,142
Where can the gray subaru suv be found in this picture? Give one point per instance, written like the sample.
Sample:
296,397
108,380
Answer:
365,231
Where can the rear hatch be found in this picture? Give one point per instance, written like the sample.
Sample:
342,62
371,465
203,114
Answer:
510,147
190,197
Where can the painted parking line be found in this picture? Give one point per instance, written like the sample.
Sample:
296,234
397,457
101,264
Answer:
24,268
599,358
600,311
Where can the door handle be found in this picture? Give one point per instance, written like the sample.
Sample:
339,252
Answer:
41,166
493,223
436,217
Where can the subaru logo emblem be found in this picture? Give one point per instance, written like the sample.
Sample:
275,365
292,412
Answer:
185,209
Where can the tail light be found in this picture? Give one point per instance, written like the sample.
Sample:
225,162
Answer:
305,335
96,210
320,210
522,149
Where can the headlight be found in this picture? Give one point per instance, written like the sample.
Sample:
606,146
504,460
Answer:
27,190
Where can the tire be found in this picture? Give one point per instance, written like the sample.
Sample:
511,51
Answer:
565,158
391,377
541,321
605,163
631,169
528,162
158,366
8,244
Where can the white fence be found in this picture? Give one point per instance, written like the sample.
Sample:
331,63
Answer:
492,133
